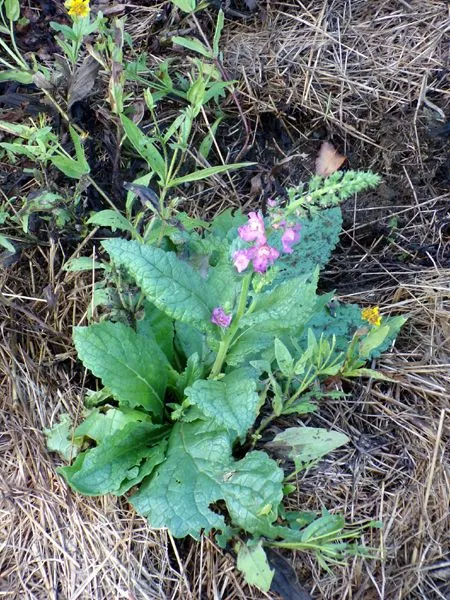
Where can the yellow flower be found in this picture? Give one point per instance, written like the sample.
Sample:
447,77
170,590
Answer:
372,315
77,8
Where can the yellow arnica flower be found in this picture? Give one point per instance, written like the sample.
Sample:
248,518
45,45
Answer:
77,8
372,314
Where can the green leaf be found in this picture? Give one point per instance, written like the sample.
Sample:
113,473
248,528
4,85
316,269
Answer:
126,362
284,358
192,372
288,306
208,172
192,44
79,150
319,236
248,346
231,402
189,341
83,263
306,444
24,77
206,145
158,327
5,243
98,425
218,31
185,5
70,167
325,527
12,10
367,373
373,340
253,564
223,284
113,219
200,470
145,147
60,438
65,30
122,460
169,283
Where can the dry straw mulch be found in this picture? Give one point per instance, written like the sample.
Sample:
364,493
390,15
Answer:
374,74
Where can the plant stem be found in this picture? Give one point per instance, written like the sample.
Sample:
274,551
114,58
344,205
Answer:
13,40
225,343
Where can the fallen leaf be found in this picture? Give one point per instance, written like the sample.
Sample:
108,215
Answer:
329,160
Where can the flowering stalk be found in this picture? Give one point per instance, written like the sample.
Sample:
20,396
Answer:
231,332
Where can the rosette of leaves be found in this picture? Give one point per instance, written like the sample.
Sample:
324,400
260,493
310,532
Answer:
180,430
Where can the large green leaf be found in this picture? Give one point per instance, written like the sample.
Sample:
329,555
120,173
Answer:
100,423
319,236
248,346
126,362
159,327
122,460
288,306
223,283
200,470
170,284
231,402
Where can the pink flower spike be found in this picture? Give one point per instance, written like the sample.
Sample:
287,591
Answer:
264,257
290,237
241,259
220,318
272,203
254,230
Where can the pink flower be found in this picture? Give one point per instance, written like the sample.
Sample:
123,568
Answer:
254,230
272,203
264,256
290,236
220,318
242,258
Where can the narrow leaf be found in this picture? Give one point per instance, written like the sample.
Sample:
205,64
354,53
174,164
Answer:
192,44
145,147
208,172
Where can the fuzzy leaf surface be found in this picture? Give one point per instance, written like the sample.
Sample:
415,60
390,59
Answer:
199,470
231,402
319,236
170,284
119,462
126,362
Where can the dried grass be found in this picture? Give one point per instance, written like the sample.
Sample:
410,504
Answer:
361,68
347,61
